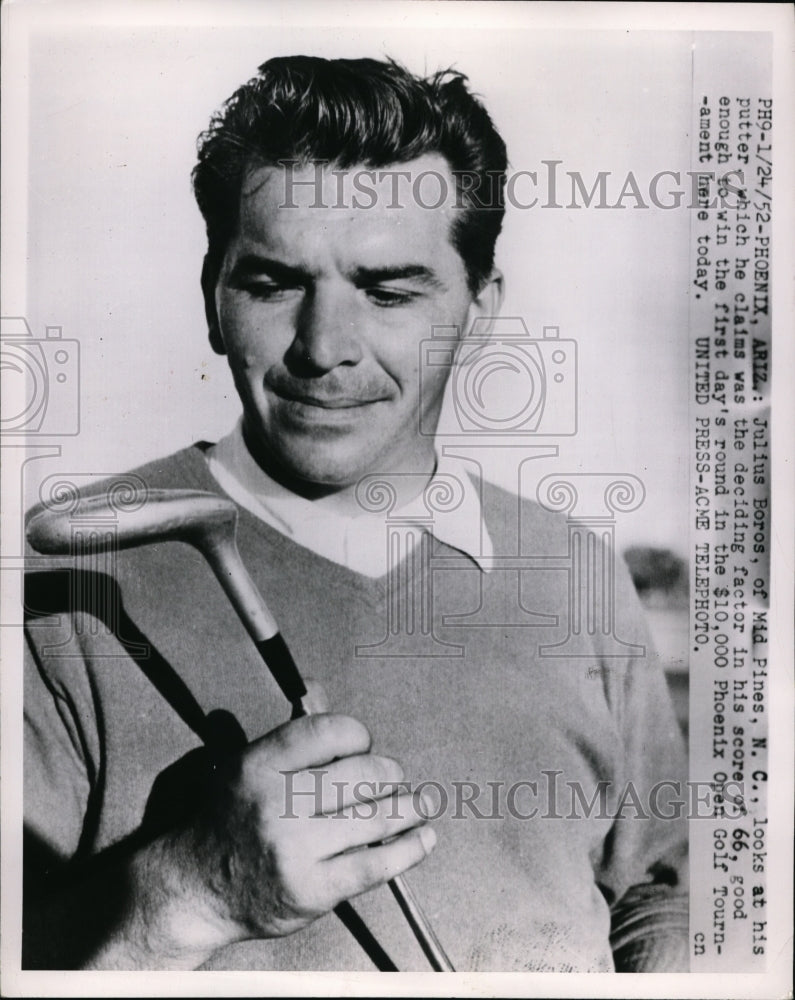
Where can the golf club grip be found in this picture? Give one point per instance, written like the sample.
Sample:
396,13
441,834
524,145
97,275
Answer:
279,660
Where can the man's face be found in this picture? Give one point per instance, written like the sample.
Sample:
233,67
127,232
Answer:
321,311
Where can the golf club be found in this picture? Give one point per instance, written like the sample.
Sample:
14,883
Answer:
208,522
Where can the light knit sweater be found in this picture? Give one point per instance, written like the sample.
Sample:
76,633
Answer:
120,688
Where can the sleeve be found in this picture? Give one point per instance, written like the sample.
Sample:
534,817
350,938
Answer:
55,764
643,869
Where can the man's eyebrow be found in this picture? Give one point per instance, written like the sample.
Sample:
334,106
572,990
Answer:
364,276
252,264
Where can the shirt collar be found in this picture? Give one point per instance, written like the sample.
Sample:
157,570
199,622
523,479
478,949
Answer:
449,508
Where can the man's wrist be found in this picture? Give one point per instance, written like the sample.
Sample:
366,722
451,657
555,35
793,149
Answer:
173,921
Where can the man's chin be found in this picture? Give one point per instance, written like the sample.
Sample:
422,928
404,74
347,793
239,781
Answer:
318,464
315,471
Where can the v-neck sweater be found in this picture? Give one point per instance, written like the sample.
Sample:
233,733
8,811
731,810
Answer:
475,704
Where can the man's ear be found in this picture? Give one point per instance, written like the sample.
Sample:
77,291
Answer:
486,305
209,278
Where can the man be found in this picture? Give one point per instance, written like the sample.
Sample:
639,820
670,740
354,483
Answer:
174,819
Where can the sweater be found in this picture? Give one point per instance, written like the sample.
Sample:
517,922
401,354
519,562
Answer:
130,654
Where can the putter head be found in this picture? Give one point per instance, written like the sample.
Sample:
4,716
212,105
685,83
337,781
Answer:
122,520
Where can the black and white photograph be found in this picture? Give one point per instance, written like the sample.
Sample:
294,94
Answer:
397,530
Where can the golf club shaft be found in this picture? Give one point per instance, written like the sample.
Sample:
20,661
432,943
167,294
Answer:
420,925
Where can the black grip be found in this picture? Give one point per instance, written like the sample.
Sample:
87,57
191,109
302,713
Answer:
281,664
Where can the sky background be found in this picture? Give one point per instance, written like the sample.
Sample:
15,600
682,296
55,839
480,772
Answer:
115,241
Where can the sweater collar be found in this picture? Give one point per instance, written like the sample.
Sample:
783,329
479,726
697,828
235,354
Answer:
357,542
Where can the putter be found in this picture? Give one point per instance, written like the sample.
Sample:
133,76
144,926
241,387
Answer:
208,522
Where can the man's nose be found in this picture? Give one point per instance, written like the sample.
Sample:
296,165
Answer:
326,333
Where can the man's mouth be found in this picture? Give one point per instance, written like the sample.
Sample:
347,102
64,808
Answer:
326,402
330,394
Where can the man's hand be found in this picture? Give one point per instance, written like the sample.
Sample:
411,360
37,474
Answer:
283,837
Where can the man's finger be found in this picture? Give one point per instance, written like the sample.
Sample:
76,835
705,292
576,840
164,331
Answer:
355,779
369,823
357,872
328,789
311,741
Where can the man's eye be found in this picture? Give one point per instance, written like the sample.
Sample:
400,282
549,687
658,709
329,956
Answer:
387,297
267,290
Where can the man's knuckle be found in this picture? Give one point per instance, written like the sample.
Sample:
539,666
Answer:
373,866
276,745
321,727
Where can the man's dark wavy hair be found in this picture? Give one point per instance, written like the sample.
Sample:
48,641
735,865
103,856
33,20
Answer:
351,112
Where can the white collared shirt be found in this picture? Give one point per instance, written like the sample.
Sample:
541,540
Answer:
448,508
